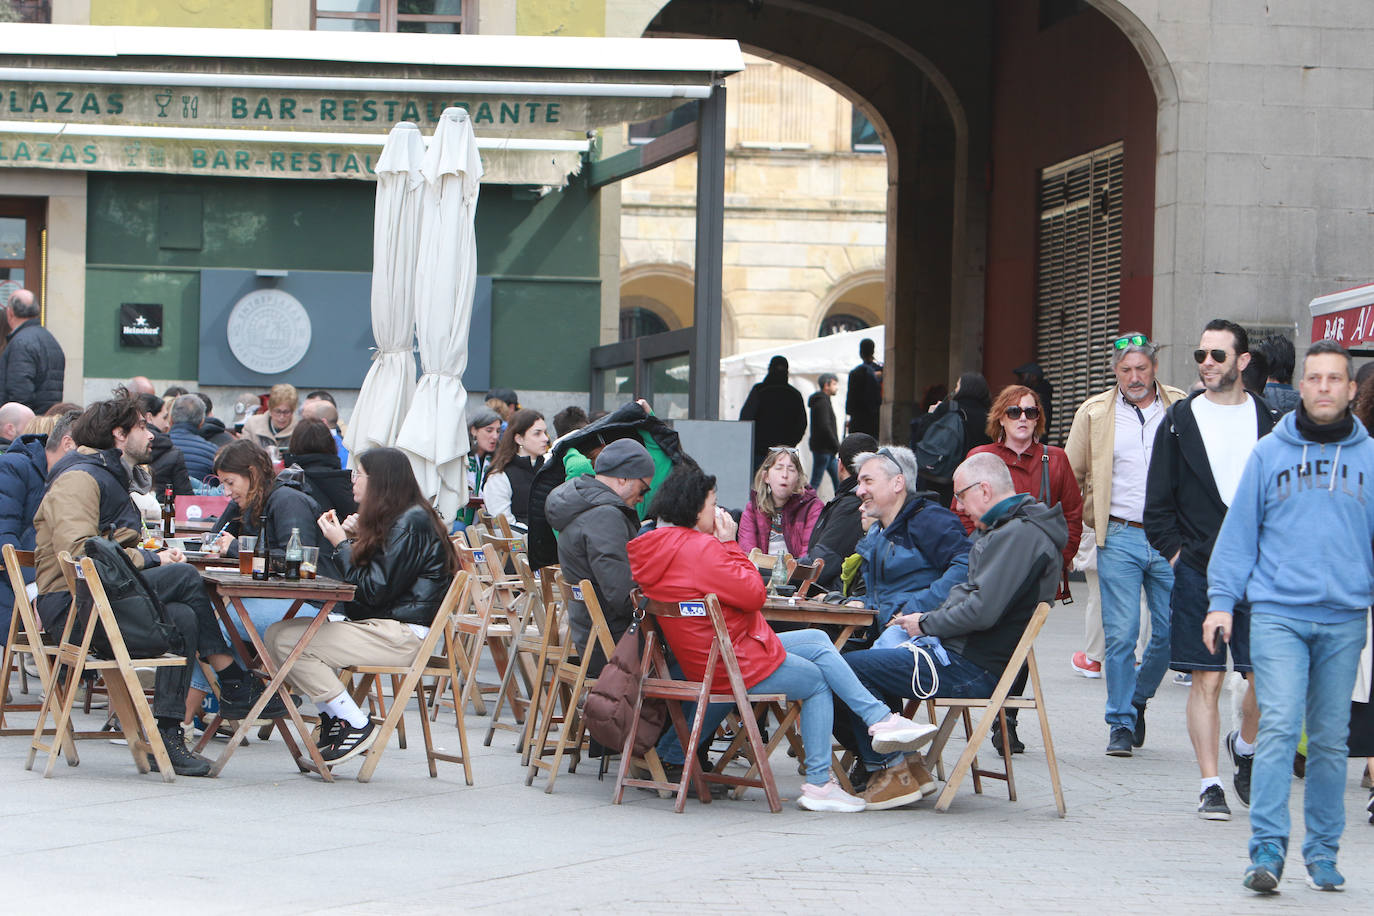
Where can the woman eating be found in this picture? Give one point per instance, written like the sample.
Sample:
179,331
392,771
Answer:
397,556
518,456
693,552
782,509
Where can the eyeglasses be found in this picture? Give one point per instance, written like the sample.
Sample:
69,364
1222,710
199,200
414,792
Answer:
359,475
1131,340
959,494
782,448
1218,356
887,453
1015,412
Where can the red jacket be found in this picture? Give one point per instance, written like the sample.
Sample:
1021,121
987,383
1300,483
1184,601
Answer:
1026,477
682,564
799,516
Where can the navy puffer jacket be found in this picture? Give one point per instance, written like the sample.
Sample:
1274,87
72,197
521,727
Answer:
23,477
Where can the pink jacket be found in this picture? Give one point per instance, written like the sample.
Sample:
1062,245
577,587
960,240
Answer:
799,516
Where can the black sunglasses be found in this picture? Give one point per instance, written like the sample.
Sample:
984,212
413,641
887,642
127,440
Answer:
1131,340
1015,412
1218,356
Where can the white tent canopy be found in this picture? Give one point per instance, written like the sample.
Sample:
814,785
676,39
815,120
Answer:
837,354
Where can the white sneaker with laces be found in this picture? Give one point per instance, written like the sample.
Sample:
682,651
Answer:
829,797
898,733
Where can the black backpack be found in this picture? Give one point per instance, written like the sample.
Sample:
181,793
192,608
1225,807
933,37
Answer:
942,447
142,618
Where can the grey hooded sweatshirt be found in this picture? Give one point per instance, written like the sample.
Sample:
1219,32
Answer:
594,525
1013,565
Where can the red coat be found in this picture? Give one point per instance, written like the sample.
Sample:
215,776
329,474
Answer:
1026,477
681,564
799,516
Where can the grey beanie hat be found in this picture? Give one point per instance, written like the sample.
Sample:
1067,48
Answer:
625,458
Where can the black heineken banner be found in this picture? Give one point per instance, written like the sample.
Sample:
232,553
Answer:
140,324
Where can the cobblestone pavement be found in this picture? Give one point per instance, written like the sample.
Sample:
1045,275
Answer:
265,838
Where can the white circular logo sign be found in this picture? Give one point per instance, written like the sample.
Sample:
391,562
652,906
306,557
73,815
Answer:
269,331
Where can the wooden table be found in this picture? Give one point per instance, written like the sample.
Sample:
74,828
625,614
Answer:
228,588
806,610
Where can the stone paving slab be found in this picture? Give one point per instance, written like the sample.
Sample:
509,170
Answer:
265,838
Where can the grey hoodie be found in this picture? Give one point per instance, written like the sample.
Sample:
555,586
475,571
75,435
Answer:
1012,566
594,525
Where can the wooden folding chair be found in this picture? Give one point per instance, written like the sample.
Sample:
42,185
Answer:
72,660
993,711
408,681
555,646
524,648
657,683
568,682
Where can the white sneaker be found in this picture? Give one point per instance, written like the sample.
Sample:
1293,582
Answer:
829,797
898,733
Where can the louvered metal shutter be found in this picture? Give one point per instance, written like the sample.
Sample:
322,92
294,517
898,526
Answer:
1079,283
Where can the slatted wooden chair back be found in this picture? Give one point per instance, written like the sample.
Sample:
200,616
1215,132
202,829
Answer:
658,683
436,658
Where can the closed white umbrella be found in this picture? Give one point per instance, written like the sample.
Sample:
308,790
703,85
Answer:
385,396
435,430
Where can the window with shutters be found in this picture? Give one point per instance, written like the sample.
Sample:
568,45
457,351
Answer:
1079,282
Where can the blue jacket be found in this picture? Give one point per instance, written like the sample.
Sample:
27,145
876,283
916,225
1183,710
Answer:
1296,539
199,454
911,565
23,476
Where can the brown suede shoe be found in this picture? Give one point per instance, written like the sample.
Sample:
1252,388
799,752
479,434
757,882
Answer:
892,788
921,776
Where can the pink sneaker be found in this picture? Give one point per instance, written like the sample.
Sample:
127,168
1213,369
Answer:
1086,666
829,797
898,733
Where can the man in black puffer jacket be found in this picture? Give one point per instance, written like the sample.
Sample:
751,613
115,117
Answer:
32,365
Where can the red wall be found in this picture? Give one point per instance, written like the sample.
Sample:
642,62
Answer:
1059,93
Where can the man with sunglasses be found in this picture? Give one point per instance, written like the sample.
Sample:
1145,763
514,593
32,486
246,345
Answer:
1109,446
1199,454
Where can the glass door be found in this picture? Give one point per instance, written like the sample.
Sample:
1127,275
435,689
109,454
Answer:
21,245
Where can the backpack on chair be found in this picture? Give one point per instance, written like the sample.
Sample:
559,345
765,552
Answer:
942,447
142,619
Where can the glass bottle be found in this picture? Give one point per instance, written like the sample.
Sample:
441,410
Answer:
169,515
262,553
294,555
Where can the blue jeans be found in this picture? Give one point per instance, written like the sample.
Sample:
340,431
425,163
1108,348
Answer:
823,463
1124,564
888,674
1302,668
814,672
263,612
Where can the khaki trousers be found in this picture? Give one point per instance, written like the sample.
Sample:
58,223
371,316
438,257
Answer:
337,645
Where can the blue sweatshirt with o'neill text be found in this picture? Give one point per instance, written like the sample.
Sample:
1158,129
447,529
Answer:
1296,539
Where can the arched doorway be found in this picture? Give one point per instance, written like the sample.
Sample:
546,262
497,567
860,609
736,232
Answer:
960,291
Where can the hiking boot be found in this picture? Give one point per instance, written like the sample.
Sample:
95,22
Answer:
1085,666
352,741
1322,876
184,763
924,781
1119,742
1138,735
1016,746
235,700
1266,869
892,787
898,733
1243,764
1211,805
829,797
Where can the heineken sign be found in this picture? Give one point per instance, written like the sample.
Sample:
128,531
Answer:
140,324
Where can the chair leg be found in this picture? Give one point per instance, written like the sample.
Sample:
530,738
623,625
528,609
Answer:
1006,754
401,722
1050,758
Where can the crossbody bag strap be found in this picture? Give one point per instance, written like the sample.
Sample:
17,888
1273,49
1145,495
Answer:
1045,474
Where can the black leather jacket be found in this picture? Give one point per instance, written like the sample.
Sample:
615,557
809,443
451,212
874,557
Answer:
405,580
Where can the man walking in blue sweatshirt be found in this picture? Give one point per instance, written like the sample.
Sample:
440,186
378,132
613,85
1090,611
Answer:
1296,544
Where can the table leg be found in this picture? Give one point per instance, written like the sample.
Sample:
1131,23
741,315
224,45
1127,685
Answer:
277,685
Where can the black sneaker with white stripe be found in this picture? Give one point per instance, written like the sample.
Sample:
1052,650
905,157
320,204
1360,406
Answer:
350,743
